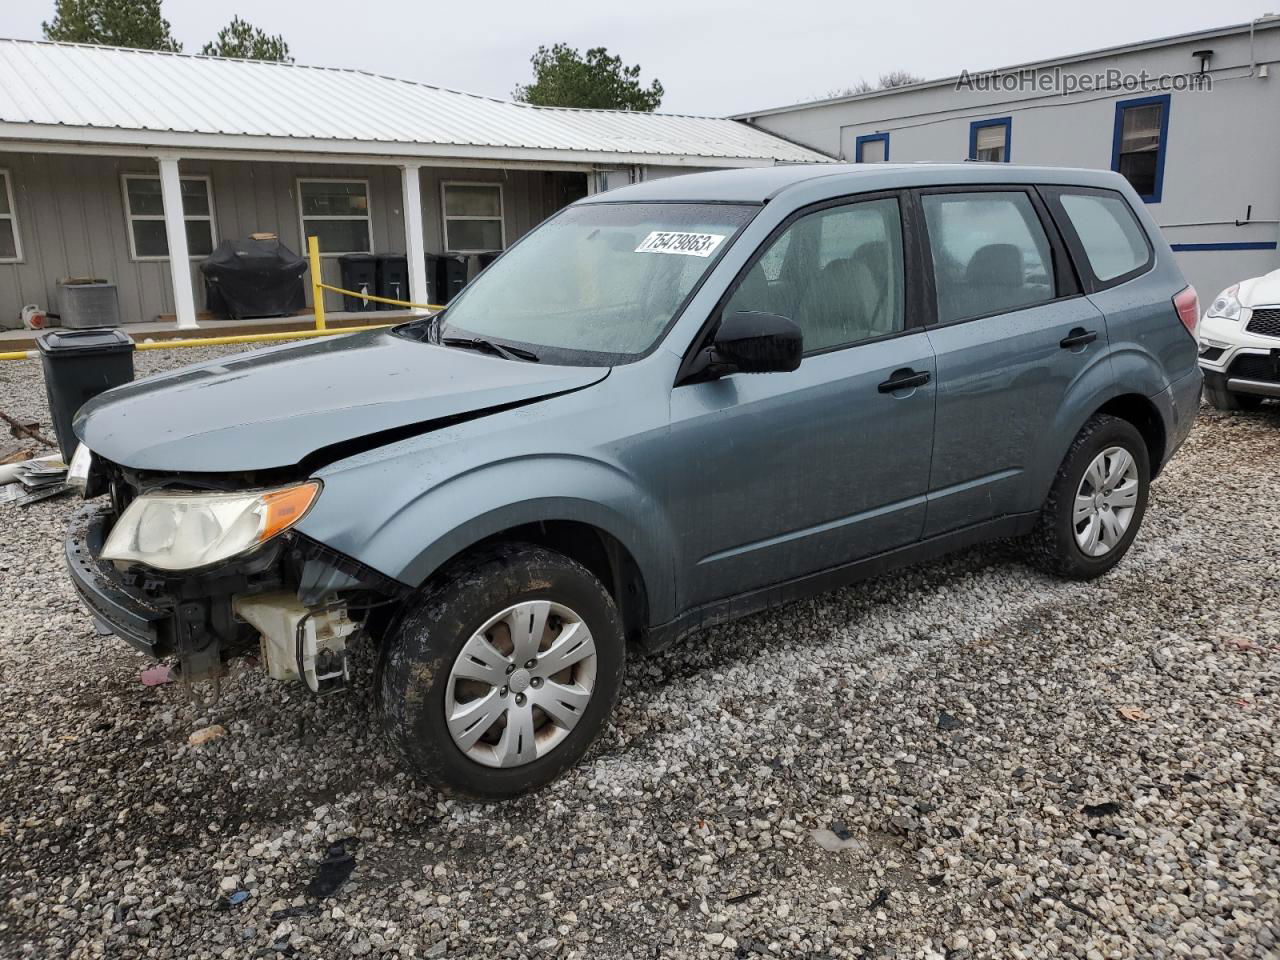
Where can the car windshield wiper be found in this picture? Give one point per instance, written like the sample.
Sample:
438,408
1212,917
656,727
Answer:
488,346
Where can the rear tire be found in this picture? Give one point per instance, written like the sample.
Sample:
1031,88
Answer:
1223,399
473,723
1096,504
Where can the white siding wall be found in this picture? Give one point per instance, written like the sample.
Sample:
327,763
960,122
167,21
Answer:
1221,146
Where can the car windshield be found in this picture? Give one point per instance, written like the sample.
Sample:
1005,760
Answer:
598,283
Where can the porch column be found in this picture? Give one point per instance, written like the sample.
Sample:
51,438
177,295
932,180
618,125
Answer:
175,229
414,242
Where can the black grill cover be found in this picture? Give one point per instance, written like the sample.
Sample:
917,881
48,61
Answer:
254,278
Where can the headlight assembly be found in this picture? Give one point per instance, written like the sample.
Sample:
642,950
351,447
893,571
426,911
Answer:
183,531
1226,305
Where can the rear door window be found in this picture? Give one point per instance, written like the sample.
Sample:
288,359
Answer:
1113,241
990,253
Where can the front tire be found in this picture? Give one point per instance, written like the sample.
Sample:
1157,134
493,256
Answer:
1096,504
501,675
1224,399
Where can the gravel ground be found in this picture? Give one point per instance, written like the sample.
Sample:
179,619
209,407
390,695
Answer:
1004,764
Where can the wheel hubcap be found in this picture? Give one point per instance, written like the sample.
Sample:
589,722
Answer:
1105,501
520,684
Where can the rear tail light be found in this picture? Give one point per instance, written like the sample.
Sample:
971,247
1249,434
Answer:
1187,304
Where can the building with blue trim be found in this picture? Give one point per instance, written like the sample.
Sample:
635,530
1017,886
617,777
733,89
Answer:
1189,120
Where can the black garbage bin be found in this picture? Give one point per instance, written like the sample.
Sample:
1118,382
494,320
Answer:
359,272
393,279
448,273
79,365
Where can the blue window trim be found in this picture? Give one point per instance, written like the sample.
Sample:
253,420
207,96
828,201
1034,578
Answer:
1236,245
869,138
976,125
1165,100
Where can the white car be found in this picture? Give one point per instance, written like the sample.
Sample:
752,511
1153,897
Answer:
1239,339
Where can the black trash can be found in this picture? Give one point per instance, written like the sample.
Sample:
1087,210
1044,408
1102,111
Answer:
359,272
393,279
448,273
79,365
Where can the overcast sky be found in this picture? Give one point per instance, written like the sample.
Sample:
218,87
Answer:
714,57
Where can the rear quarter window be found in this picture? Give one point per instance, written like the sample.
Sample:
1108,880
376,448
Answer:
1113,241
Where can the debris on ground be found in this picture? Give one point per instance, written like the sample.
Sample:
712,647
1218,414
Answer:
154,676
207,735
333,871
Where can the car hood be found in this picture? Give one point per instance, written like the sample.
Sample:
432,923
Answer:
276,407
1259,291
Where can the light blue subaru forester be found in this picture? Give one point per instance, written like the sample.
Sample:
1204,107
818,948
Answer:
670,405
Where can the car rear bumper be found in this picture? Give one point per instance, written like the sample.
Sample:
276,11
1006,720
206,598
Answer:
1179,405
114,606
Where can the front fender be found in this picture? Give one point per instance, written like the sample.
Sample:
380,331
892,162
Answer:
413,539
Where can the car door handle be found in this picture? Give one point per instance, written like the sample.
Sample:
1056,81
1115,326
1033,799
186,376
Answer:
1078,338
904,379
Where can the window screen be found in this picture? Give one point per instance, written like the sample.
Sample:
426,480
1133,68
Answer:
1113,241
990,253
10,246
473,217
1139,145
336,213
837,273
991,142
873,150
144,209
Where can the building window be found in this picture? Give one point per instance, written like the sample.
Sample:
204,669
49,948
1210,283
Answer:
144,209
871,148
1138,147
336,213
989,139
473,217
10,243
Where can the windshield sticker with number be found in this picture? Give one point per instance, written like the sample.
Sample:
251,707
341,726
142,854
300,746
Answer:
686,244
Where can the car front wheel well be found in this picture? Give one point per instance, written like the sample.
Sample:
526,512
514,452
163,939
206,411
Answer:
1142,413
608,560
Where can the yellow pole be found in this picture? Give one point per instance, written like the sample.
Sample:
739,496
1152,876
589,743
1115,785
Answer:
317,292
224,341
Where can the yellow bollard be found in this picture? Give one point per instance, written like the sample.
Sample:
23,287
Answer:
317,290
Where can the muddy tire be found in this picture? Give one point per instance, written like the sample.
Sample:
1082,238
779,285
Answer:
502,672
1096,504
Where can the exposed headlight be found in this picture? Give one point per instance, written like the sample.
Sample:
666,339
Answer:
1226,305
182,531
78,469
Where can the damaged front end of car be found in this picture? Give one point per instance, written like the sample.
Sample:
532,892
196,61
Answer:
144,557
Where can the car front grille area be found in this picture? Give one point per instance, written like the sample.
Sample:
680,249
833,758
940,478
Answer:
1265,322
1256,366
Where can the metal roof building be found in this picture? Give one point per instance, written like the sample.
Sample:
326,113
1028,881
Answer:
123,141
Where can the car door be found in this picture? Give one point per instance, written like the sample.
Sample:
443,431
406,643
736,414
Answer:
1012,335
781,475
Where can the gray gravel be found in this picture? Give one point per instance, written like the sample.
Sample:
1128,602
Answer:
964,760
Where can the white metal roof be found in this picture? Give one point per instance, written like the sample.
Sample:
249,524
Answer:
88,94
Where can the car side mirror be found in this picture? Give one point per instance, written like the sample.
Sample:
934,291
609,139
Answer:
750,342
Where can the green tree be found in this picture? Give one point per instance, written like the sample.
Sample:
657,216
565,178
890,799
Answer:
111,23
564,78
243,40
